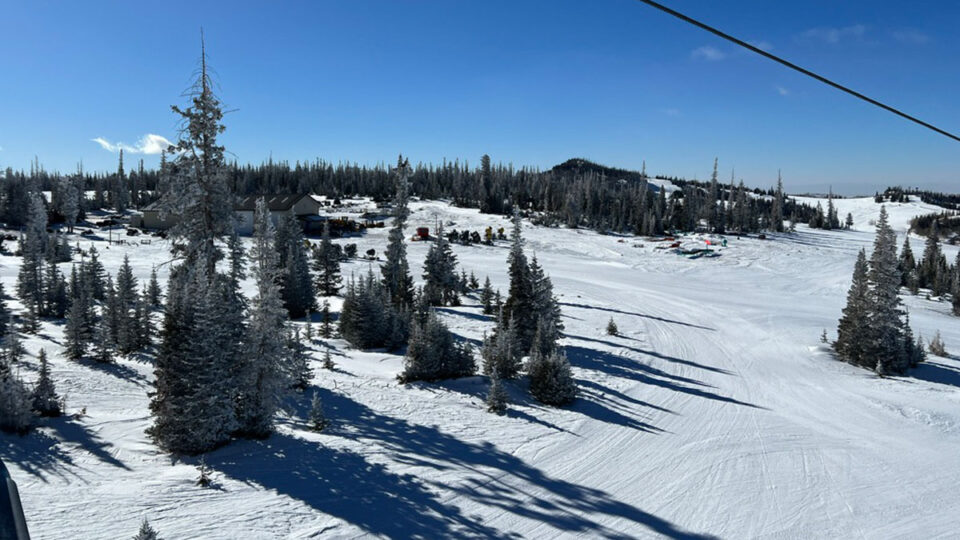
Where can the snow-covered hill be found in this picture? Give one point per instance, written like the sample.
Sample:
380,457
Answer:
716,413
865,211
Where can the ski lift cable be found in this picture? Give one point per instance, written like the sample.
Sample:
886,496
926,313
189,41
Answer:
795,67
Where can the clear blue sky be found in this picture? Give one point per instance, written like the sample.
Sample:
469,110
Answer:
529,82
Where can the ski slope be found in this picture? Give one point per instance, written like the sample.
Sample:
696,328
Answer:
715,413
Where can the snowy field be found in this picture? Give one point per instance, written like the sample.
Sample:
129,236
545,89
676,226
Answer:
716,413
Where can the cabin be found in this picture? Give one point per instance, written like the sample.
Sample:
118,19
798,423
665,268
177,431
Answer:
305,206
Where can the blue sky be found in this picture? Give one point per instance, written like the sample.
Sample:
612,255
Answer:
529,82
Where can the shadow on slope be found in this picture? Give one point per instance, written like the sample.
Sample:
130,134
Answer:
346,485
620,366
636,314
937,373
655,354
490,476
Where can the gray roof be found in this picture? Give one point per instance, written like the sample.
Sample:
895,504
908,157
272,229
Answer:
275,203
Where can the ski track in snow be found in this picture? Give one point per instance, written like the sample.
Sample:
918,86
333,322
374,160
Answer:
715,413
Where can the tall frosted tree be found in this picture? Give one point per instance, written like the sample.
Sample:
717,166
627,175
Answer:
885,343
326,266
440,273
396,270
261,379
30,279
194,398
852,330
296,286
46,402
520,302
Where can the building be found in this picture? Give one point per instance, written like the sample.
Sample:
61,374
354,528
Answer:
305,206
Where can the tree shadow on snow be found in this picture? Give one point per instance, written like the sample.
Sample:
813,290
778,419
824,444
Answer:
619,366
118,370
71,431
36,453
648,352
465,314
490,477
636,314
346,485
937,373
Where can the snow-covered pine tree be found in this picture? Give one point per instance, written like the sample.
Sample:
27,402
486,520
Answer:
486,297
296,286
92,275
125,302
907,264
776,209
852,331
612,327
30,278
154,292
368,320
263,374
4,312
545,305
326,266
930,264
194,398
326,320
78,328
473,282
519,306
551,379
497,398
500,352
300,373
885,329
327,359
146,532
937,346
70,202
434,354
318,420
396,271
46,402
15,404
440,273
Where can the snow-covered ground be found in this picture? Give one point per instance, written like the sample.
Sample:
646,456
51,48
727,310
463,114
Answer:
716,413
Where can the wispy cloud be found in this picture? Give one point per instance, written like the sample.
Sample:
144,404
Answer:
782,91
708,53
911,36
834,35
762,45
148,144
670,111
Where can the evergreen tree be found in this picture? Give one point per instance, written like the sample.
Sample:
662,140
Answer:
77,332
368,319
153,289
326,266
92,275
907,264
46,402
612,328
263,373
439,272
486,297
930,264
146,532
776,209
326,320
102,342
396,271
545,305
551,379
124,302
300,373
500,352
852,330
296,286
519,306
15,406
4,312
497,398
936,345
195,393
433,354
885,334
318,420
30,279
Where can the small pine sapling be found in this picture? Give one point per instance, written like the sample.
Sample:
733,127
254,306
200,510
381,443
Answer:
937,346
318,420
497,398
612,328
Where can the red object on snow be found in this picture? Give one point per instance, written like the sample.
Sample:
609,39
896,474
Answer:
423,232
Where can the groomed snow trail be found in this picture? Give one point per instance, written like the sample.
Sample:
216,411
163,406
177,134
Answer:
715,413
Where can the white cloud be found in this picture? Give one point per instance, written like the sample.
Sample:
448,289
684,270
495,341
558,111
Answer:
782,91
148,144
911,36
708,53
831,35
671,111
762,45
